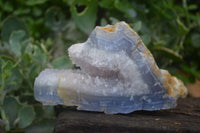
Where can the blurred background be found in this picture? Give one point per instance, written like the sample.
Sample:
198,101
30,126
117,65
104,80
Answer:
35,34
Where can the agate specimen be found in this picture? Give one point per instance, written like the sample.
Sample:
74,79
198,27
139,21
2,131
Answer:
117,74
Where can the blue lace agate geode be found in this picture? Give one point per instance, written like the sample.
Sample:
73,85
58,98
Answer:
118,75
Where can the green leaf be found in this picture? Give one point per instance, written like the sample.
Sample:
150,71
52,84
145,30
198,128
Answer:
24,45
8,6
191,69
26,60
146,39
108,4
10,74
193,7
69,2
15,42
85,19
168,52
39,111
37,11
21,11
73,34
35,2
11,106
34,59
55,19
137,26
34,70
196,40
103,22
125,7
43,126
26,116
113,20
62,63
183,78
37,55
159,43
122,5
181,27
11,24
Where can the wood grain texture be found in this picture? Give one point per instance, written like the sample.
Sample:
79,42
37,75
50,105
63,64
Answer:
185,118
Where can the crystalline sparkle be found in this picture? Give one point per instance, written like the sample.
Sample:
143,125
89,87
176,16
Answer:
118,75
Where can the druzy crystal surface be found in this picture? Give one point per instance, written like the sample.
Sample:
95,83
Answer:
117,74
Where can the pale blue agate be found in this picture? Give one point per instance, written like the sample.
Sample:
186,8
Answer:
122,41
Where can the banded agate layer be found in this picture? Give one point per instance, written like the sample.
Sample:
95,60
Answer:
117,74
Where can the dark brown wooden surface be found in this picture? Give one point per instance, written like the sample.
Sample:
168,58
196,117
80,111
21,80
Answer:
185,118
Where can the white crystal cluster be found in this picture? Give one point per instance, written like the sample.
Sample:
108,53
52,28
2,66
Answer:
117,74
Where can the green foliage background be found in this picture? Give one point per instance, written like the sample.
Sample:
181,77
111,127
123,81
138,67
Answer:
35,34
